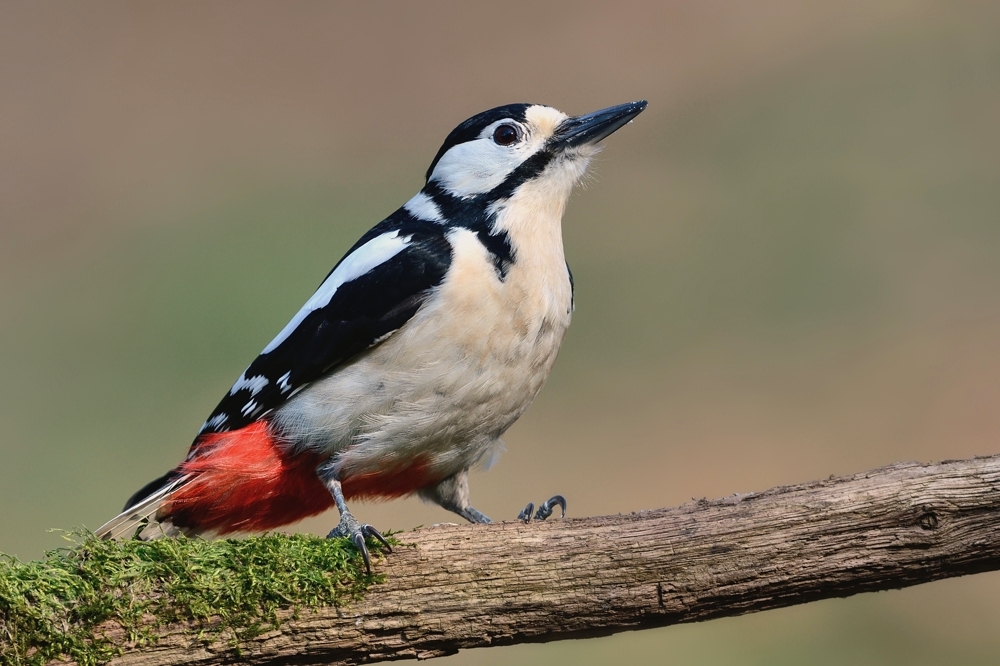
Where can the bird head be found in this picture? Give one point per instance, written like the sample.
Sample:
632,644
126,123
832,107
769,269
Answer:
494,152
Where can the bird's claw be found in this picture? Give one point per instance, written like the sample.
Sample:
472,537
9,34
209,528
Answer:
350,527
375,534
544,509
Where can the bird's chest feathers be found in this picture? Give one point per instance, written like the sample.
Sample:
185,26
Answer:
520,316
462,369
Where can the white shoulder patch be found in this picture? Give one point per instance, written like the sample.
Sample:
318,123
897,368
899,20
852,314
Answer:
423,207
370,255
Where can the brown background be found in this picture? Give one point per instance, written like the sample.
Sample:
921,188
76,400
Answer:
786,268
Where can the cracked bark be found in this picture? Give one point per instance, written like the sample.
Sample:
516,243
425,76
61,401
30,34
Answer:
458,587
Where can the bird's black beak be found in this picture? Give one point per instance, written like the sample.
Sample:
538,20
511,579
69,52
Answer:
595,126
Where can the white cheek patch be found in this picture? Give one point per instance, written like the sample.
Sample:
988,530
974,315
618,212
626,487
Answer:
373,253
423,207
478,166
475,167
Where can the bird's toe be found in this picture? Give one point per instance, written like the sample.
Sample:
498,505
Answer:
355,531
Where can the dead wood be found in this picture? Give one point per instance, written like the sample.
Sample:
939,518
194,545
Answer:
456,587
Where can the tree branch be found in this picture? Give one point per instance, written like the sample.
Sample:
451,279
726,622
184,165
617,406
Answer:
478,585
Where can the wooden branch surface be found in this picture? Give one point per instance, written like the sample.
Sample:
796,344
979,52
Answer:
470,586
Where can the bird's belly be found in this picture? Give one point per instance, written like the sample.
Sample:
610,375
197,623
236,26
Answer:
443,388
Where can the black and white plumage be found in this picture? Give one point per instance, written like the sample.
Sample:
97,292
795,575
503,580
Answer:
373,291
420,348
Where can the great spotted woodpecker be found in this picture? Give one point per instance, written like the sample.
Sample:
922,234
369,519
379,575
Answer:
420,348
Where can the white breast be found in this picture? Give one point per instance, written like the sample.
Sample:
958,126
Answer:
458,374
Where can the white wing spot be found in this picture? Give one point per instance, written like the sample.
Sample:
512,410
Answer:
215,421
373,253
256,384
423,207
249,407
283,382
382,338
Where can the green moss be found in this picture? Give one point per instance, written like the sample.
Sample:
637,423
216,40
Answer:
56,607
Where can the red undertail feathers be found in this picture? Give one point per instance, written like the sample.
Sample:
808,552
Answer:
246,481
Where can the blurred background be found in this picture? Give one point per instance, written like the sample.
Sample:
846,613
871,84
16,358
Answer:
787,267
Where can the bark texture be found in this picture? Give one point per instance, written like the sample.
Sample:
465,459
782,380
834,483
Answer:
468,586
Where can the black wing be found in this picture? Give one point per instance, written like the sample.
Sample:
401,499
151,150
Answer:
378,296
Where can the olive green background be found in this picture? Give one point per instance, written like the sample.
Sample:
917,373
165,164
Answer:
787,267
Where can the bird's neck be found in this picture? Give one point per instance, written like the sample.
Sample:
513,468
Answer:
532,221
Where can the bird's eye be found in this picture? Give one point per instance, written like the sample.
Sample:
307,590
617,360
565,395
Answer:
505,135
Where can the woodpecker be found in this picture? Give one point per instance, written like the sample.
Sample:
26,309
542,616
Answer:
421,347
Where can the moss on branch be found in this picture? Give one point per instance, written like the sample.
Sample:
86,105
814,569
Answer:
88,601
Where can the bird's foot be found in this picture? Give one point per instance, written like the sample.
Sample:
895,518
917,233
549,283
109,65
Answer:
545,510
350,527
